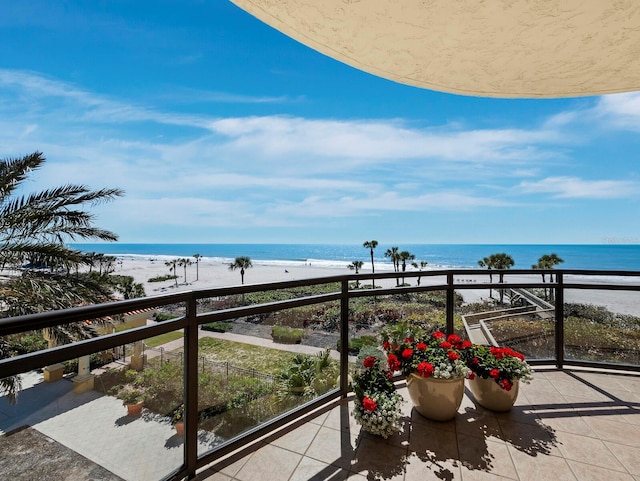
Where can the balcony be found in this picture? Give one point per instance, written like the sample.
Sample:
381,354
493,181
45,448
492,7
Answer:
578,419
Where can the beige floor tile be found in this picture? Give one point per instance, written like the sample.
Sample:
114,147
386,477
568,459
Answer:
588,472
376,459
532,439
299,439
269,463
340,417
627,455
313,470
333,446
218,477
478,454
480,423
567,422
616,432
434,469
587,450
540,467
519,414
478,475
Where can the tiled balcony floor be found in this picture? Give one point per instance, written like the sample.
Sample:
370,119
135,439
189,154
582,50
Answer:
566,425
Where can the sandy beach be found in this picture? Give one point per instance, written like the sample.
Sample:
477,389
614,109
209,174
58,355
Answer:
212,274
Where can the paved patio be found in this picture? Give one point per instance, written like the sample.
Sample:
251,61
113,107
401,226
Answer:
571,425
566,426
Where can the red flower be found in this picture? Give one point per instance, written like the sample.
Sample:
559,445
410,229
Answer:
505,384
407,353
454,339
369,404
386,345
475,360
494,373
472,376
394,362
425,369
409,340
498,352
369,361
452,355
445,345
466,345
438,335
421,346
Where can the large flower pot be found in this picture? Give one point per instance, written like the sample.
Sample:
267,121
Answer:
436,399
179,428
490,395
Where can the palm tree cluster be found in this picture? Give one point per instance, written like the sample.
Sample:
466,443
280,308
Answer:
36,261
500,261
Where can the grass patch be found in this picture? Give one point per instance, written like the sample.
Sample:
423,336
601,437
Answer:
262,359
162,278
163,338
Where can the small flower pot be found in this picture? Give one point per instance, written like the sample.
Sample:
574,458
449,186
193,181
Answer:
135,409
491,396
179,428
436,399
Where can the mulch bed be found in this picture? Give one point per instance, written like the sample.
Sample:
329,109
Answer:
26,455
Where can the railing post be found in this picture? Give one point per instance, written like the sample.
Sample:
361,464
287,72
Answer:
344,339
191,389
450,303
559,312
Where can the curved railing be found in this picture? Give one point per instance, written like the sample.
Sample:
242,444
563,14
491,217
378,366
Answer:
447,281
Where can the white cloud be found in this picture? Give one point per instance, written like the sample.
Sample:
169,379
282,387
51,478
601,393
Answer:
576,188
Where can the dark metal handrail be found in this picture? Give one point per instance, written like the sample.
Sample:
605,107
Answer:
191,320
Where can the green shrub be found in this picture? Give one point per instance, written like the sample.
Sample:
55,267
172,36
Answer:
159,317
357,343
218,326
287,335
162,278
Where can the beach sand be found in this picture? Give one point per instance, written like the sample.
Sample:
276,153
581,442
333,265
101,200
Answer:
213,274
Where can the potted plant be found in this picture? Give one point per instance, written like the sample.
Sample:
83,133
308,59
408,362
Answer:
434,367
377,404
496,374
133,399
177,419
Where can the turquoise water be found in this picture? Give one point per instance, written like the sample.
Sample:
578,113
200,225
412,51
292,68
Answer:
597,257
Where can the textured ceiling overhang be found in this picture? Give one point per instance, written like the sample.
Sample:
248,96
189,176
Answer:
493,48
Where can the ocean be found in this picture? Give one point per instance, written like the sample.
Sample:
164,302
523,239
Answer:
593,257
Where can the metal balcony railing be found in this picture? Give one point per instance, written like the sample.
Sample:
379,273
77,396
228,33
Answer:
448,281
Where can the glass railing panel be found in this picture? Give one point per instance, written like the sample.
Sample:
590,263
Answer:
520,321
251,371
77,416
602,325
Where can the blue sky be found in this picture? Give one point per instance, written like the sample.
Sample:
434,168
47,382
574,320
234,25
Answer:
222,130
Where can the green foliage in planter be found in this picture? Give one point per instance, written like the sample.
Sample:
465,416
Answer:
287,335
162,278
159,317
309,375
357,343
218,326
292,293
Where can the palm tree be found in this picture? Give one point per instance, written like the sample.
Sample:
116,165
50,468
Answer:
356,265
184,262
197,258
241,263
486,262
423,264
403,257
547,261
500,261
172,268
371,245
392,254
34,230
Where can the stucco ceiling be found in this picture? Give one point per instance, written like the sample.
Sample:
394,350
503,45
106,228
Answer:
493,48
